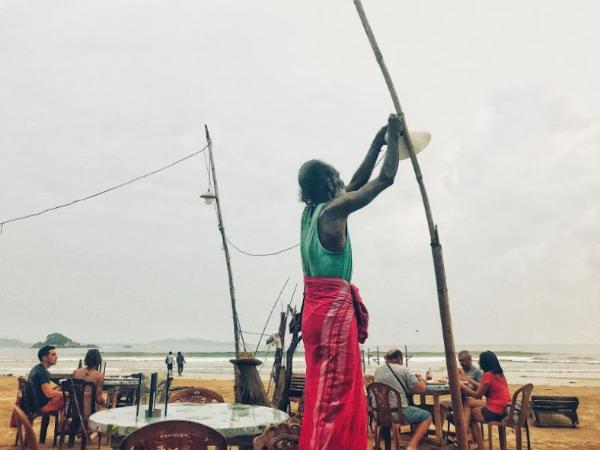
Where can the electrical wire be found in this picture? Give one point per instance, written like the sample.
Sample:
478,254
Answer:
270,314
133,180
97,194
252,333
278,252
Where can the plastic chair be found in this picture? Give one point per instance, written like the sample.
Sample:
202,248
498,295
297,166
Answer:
516,419
123,395
25,434
29,405
80,403
283,436
379,396
195,395
174,435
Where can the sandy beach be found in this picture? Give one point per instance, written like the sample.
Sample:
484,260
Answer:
587,436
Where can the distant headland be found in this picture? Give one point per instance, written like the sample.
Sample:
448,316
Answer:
59,340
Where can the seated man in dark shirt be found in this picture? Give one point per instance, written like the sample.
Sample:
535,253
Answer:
48,396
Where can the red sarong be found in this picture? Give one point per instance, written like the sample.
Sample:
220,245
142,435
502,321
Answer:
335,414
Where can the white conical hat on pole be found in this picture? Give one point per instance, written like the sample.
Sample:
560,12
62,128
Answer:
419,139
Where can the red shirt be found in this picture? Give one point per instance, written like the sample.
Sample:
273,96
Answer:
497,396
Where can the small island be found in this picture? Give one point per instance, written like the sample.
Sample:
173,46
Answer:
59,340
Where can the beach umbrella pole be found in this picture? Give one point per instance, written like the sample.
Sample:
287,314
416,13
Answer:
436,247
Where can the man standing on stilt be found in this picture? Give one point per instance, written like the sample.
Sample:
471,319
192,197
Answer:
333,317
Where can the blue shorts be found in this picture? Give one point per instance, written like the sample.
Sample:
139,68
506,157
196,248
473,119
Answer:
414,415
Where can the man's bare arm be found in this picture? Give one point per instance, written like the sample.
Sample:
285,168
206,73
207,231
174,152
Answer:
341,207
50,391
420,387
332,222
364,171
475,393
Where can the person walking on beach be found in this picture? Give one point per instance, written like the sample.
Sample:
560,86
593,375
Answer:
180,362
334,319
169,363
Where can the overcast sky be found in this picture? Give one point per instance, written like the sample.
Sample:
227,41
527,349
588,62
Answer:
93,93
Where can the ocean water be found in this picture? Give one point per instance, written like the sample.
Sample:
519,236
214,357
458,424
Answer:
539,364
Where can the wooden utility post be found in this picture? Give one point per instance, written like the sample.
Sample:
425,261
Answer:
236,323
248,387
436,247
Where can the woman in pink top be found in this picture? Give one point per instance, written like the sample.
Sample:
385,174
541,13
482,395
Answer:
495,388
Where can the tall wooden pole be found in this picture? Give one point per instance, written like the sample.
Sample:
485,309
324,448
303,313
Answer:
236,323
436,247
248,387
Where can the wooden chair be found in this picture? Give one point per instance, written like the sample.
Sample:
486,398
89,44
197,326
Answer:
283,436
296,392
123,395
195,395
379,396
368,379
174,435
29,405
516,419
25,434
80,403
544,404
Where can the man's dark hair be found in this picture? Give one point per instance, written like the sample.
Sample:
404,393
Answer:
93,359
393,354
488,361
314,179
45,351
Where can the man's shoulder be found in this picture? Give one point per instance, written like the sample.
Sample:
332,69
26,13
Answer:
398,369
401,370
38,372
475,372
379,371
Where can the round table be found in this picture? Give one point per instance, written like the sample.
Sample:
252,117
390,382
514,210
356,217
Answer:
238,423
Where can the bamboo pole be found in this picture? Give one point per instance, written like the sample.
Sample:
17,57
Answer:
270,314
236,324
289,358
436,248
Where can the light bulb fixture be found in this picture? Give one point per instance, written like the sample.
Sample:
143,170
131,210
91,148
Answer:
208,197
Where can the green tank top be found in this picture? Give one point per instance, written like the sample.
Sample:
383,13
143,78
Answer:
317,261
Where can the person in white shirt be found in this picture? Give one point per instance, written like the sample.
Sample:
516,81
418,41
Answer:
394,374
169,363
